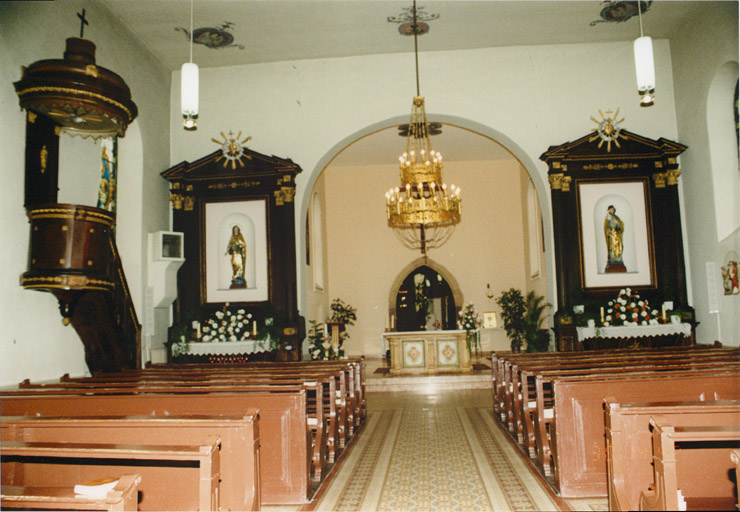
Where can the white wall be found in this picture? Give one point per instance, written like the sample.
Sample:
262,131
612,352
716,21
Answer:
702,51
527,98
33,343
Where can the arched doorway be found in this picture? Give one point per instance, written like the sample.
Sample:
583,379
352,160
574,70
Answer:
425,301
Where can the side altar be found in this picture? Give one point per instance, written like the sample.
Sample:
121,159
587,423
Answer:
428,351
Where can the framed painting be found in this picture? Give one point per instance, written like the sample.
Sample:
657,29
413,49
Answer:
616,239
235,252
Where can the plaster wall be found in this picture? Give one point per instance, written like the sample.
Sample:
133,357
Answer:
706,46
34,344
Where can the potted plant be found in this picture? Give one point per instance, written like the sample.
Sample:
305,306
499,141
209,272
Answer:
536,308
513,309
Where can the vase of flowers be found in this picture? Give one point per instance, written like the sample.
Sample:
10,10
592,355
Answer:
321,348
470,321
629,309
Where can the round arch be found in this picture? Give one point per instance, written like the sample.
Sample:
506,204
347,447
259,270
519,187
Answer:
538,179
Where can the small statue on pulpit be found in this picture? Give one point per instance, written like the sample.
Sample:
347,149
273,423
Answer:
237,251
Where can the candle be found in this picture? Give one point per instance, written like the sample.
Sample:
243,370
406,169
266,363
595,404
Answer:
602,314
662,311
254,328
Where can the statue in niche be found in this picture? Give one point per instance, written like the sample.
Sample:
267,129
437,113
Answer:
613,232
237,250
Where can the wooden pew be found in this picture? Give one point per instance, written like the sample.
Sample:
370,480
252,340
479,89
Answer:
173,477
357,364
239,435
629,440
356,377
523,403
577,431
519,400
335,397
502,364
699,468
284,434
123,497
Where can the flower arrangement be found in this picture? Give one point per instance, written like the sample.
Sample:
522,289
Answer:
225,325
321,348
629,309
470,321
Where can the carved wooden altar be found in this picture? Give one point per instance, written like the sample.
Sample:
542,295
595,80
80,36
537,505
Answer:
255,192
607,165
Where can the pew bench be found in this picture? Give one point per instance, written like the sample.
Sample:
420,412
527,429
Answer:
513,386
577,442
503,380
285,438
122,498
629,440
239,436
173,477
523,404
320,397
695,461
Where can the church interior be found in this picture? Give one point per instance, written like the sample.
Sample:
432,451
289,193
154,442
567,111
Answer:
204,289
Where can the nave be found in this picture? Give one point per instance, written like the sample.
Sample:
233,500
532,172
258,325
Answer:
435,446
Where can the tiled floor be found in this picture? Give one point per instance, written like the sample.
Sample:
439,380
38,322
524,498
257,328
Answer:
429,445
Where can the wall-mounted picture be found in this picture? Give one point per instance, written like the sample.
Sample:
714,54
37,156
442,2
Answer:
730,275
235,251
616,234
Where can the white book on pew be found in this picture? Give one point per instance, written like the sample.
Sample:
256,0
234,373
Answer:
96,488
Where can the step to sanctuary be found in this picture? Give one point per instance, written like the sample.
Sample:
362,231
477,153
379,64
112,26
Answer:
379,378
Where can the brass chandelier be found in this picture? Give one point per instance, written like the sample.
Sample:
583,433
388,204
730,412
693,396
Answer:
423,211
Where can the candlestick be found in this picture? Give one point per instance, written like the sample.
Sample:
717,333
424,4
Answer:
602,314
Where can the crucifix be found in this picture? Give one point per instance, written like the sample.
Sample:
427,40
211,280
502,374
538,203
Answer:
83,22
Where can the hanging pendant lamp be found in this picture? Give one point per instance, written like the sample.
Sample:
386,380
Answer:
644,65
423,211
189,86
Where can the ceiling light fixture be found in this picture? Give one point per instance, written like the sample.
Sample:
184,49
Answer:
423,211
644,65
189,86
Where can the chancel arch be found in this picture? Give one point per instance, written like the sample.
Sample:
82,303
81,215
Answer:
334,157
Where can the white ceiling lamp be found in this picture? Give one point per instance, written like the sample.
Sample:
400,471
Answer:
644,65
189,86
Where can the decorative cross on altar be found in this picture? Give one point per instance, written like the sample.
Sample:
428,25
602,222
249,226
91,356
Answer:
83,22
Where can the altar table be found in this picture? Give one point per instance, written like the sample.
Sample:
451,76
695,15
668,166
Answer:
428,351
625,336
225,352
